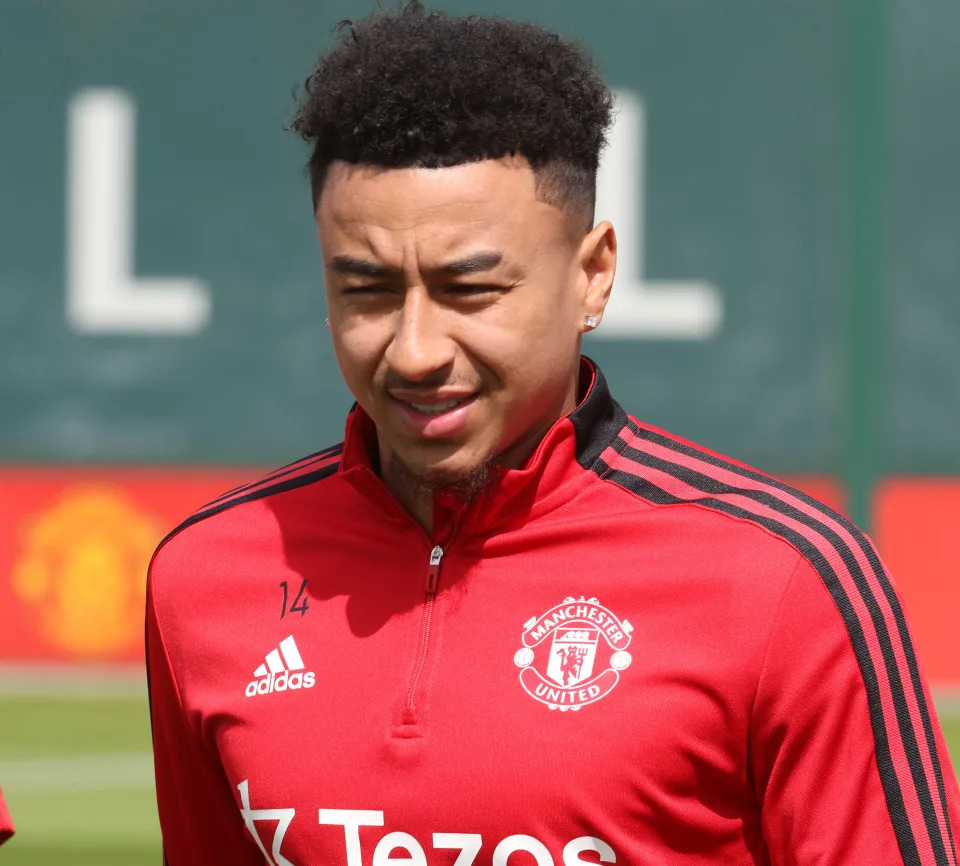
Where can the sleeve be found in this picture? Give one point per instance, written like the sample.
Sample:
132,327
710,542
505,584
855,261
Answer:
200,821
6,822
846,751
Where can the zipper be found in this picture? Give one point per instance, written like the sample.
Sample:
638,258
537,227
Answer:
423,644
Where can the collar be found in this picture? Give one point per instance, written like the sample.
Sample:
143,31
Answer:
571,445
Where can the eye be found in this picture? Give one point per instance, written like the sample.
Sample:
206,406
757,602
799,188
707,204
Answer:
372,289
471,289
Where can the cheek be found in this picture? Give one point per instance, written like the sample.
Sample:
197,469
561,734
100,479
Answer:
533,334
550,308
358,355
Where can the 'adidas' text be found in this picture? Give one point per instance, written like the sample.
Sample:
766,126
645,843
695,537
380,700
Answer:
282,670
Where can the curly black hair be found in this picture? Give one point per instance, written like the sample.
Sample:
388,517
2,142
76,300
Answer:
419,88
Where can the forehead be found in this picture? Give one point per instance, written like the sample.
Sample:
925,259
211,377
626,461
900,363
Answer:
386,209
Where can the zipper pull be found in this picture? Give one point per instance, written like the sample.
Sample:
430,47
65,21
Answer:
433,571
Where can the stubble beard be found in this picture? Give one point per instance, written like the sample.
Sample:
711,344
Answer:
468,486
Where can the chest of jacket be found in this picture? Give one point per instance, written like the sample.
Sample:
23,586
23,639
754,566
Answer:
570,680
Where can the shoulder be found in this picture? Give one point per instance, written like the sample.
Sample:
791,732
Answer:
821,561
234,538
666,470
838,577
305,472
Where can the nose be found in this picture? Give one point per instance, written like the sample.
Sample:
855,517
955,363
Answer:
420,345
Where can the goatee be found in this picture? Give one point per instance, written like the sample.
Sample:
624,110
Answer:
467,486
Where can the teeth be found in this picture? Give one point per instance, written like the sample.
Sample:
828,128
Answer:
436,408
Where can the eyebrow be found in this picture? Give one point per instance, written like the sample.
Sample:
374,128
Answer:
475,263
349,266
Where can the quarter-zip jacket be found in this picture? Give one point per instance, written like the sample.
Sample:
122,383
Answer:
630,650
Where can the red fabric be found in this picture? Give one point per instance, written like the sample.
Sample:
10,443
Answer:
6,822
879,624
613,669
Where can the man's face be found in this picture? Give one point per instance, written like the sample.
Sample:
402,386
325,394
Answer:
456,302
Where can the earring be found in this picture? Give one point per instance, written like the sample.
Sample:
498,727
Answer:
327,323
591,322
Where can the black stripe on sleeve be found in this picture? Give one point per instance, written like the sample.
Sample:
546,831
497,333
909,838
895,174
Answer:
889,594
891,786
282,472
709,485
262,493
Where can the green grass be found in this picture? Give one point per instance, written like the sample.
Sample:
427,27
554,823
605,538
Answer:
32,726
951,731
104,813
17,854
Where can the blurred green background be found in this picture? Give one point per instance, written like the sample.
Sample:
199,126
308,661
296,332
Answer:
77,774
797,159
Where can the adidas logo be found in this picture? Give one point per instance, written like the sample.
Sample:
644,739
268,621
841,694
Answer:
281,671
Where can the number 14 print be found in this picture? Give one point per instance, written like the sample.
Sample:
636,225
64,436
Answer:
299,602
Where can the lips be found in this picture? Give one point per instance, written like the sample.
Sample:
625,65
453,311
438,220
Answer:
435,408
432,418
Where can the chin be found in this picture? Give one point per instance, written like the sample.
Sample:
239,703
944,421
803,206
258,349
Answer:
468,477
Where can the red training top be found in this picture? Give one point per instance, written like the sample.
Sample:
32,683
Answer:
631,650
6,822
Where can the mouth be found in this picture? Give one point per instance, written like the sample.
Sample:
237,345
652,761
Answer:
433,418
436,408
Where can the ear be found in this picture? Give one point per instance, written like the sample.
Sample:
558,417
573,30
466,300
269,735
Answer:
597,260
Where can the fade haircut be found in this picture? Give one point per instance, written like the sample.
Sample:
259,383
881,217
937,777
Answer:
418,88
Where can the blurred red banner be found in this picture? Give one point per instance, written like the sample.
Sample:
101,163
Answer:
915,523
75,544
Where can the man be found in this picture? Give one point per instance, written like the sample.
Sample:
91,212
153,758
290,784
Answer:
503,622
6,822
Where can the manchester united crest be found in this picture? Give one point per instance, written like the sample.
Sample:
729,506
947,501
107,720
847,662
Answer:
572,655
82,566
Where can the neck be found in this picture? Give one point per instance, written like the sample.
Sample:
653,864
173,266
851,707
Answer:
415,495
